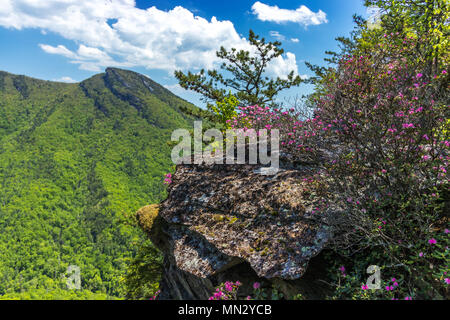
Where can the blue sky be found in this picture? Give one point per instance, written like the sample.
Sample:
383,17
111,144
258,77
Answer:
71,40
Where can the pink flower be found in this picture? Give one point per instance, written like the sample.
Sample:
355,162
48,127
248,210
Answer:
419,75
228,287
432,241
256,285
447,280
364,287
156,295
421,254
447,231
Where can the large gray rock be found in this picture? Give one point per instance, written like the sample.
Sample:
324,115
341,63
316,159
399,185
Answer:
229,222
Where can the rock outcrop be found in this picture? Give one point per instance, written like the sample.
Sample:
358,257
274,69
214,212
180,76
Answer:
229,222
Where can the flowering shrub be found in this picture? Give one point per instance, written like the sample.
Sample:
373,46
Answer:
155,295
383,120
168,179
297,135
352,286
226,291
388,118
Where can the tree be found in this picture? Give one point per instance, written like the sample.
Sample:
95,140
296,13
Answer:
424,19
246,75
225,110
382,105
380,135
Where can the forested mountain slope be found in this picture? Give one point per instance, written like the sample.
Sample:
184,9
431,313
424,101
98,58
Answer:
75,161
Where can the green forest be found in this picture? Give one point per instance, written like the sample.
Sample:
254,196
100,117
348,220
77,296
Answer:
76,162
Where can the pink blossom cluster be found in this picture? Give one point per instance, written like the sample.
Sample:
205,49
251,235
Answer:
155,295
168,179
226,291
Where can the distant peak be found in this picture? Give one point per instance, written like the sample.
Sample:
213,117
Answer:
118,70
110,69
132,80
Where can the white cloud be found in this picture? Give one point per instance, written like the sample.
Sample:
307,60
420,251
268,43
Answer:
90,59
277,35
295,40
303,15
61,50
65,79
117,33
282,64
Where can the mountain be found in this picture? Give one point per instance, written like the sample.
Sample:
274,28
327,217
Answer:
76,162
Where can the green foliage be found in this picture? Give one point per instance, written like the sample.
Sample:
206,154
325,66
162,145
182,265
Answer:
243,73
76,161
56,294
385,102
422,18
225,110
144,272
230,291
269,294
420,272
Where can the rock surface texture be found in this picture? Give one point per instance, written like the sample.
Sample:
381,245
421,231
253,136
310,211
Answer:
230,222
